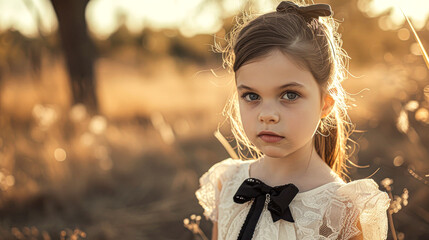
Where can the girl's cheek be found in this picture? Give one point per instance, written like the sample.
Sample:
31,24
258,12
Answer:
244,115
246,111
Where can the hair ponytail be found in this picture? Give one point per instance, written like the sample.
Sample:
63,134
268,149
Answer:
330,142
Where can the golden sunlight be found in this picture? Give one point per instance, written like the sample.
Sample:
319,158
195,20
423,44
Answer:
189,16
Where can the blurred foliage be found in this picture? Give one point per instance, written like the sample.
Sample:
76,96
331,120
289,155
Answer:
363,40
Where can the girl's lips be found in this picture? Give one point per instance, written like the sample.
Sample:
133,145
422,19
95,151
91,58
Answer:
270,138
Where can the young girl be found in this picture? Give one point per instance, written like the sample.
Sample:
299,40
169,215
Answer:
291,111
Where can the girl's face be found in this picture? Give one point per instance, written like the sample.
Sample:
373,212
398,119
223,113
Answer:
277,95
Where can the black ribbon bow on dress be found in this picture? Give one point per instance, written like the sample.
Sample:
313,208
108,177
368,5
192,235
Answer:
278,198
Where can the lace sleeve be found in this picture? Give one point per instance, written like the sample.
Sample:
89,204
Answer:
360,211
211,186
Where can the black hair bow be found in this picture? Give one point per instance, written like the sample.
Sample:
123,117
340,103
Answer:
308,12
278,199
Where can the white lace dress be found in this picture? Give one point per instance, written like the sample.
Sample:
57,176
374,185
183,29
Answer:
336,210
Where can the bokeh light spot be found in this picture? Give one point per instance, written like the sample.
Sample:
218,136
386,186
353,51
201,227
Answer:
98,124
388,57
422,115
404,34
10,180
60,154
415,49
78,112
44,115
398,161
412,106
402,123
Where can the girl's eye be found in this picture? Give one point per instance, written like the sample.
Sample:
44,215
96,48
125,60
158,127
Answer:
250,96
291,95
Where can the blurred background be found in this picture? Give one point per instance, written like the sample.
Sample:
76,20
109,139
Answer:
108,111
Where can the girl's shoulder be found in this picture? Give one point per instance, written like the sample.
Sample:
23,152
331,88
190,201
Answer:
362,206
363,192
212,182
347,210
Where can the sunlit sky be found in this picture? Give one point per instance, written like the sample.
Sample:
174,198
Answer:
189,16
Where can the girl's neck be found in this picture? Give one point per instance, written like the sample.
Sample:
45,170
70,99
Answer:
304,167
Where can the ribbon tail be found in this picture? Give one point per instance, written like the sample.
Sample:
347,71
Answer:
287,215
248,228
275,217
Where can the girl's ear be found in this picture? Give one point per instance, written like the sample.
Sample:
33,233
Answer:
328,104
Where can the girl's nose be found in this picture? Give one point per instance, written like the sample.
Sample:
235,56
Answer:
268,117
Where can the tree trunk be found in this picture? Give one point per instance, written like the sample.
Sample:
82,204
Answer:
79,50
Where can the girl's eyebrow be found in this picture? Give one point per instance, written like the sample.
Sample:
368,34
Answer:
292,84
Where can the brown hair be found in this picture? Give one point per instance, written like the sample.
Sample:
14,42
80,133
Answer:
315,45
